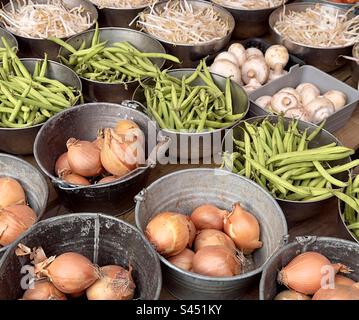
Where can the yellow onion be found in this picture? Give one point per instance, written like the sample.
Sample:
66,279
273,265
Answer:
108,179
291,295
123,126
243,228
340,292
216,261
14,221
74,178
168,232
62,165
192,231
344,281
208,217
11,192
183,260
71,272
83,158
213,237
115,283
43,290
98,142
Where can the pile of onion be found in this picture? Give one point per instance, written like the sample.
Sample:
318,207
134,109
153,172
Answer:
312,274
115,152
15,216
208,241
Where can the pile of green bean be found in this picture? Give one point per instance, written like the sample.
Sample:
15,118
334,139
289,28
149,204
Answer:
29,99
282,162
177,105
119,63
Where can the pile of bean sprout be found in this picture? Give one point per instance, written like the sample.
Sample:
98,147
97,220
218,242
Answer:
182,22
321,26
30,19
251,4
122,4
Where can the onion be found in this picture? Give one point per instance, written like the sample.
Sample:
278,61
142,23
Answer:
76,295
208,217
123,126
168,232
192,231
11,192
62,165
115,283
72,272
213,237
216,261
108,179
83,158
99,140
43,290
339,293
291,295
14,221
74,178
305,272
243,228
343,281
183,260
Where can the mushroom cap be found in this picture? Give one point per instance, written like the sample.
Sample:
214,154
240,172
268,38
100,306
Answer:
297,113
264,102
252,85
227,69
282,101
239,51
257,68
293,92
277,57
227,56
319,109
338,98
306,85
308,92
253,52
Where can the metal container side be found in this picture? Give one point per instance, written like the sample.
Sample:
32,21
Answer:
9,38
344,227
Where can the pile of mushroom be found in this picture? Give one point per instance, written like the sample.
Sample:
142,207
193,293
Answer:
304,102
250,66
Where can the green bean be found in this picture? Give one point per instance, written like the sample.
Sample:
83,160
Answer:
228,96
316,131
327,176
347,199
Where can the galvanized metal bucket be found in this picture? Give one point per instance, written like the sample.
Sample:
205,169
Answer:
102,239
343,226
183,191
336,250
33,182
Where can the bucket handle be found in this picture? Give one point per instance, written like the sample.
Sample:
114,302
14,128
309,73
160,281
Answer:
305,241
134,105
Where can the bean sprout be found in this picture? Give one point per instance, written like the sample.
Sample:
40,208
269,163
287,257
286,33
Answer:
122,4
251,4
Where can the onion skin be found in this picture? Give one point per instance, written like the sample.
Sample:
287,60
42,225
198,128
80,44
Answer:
192,232
43,290
213,237
108,179
208,217
11,192
339,293
183,260
291,295
243,228
62,165
344,281
75,179
216,261
168,232
115,283
123,126
72,272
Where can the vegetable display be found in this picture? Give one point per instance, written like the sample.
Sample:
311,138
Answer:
30,99
304,102
115,153
251,4
30,19
120,62
250,66
199,243
122,4
179,105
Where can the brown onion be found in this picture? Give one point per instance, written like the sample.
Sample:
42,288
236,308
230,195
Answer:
208,217
11,192
213,237
291,295
75,179
183,260
344,281
339,293
192,232
83,158
71,272
98,142
243,228
62,165
43,290
108,179
216,261
14,221
168,232
123,126
115,283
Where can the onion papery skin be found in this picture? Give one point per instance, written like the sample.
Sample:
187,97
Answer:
75,179
213,237
62,165
339,293
344,281
291,295
192,232
123,126
183,260
43,290
108,179
11,192
208,217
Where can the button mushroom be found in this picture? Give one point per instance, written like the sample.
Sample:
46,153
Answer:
319,109
239,52
252,85
225,68
255,68
308,92
293,92
277,57
338,98
297,113
264,102
227,56
282,101
254,52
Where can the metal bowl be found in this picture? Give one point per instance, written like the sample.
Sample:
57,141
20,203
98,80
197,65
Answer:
194,146
185,190
355,66
249,23
32,181
336,250
343,224
36,48
115,92
83,122
102,239
295,211
326,59
191,54
9,38
345,6
21,140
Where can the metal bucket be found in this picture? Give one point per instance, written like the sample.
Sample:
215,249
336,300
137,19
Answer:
115,92
83,122
102,239
344,227
21,140
183,191
295,211
33,182
336,250
355,66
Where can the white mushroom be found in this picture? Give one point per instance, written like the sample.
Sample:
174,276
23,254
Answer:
252,85
319,109
273,75
226,69
297,113
293,92
308,92
239,52
264,102
277,57
254,52
282,101
338,98
227,56
256,68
